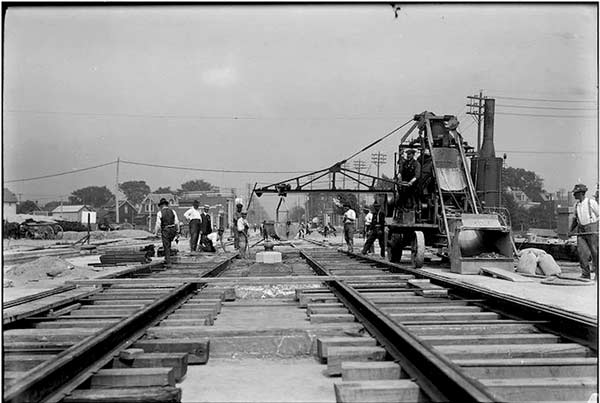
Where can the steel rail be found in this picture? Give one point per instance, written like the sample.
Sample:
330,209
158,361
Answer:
579,328
54,379
439,378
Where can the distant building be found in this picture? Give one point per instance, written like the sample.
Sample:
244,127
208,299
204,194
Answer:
146,214
74,213
9,202
221,205
127,212
521,198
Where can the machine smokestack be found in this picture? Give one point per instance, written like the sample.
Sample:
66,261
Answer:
486,169
487,147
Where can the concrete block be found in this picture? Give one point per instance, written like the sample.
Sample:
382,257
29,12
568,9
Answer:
198,348
133,377
168,394
130,353
323,343
268,257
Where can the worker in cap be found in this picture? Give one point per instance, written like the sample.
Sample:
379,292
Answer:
242,231
205,227
367,226
410,172
194,218
349,226
585,225
168,224
377,231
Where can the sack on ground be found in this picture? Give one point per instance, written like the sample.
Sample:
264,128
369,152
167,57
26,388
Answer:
527,263
537,252
548,265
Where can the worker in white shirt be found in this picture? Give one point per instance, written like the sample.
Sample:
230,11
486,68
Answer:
242,231
168,224
585,221
349,224
194,217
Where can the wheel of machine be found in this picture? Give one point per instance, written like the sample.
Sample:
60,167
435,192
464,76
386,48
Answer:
58,231
417,250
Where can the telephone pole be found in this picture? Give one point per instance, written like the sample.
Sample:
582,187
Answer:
476,110
378,159
359,165
117,192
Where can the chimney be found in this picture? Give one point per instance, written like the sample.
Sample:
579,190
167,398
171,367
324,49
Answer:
487,147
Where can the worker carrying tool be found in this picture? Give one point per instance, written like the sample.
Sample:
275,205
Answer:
585,222
376,231
168,224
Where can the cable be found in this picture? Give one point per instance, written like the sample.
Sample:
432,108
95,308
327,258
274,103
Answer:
212,170
546,116
379,140
545,152
547,107
61,173
542,99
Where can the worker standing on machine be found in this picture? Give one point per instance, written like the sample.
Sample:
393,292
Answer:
376,231
425,184
585,221
410,172
349,223
168,224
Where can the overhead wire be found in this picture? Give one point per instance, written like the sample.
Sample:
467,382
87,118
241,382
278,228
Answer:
545,116
60,173
379,140
545,99
546,107
211,170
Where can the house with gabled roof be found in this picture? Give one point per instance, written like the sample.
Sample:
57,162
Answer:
9,202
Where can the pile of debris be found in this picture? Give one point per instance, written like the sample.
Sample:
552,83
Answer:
45,268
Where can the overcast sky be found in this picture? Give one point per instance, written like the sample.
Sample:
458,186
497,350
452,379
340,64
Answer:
286,88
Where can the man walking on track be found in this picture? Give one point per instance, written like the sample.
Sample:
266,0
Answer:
194,218
585,221
377,231
242,230
349,222
168,224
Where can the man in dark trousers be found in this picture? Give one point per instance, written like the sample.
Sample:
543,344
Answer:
410,173
237,214
377,230
168,224
205,225
193,215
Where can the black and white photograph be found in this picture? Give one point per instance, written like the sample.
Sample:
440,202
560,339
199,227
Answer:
300,202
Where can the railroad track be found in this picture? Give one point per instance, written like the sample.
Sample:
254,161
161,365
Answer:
429,338
86,345
420,337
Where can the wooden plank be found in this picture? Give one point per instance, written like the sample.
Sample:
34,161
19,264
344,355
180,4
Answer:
323,343
198,347
515,350
504,328
47,335
370,371
243,280
83,323
531,338
23,362
331,318
38,306
543,389
329,311
429,308
206,321
336,355
505,275
438,316
389,391
133,377
138,302
177,361
167,394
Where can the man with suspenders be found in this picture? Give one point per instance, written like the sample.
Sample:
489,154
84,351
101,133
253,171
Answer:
585,220
168,223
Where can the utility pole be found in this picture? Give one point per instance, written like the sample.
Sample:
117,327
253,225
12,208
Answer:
359,165
378,159
117,192
476,109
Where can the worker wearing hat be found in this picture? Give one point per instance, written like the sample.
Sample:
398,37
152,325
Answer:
349,226
236,216
410,172
168,224
585,223
205,225
376,231
193,215
242,231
